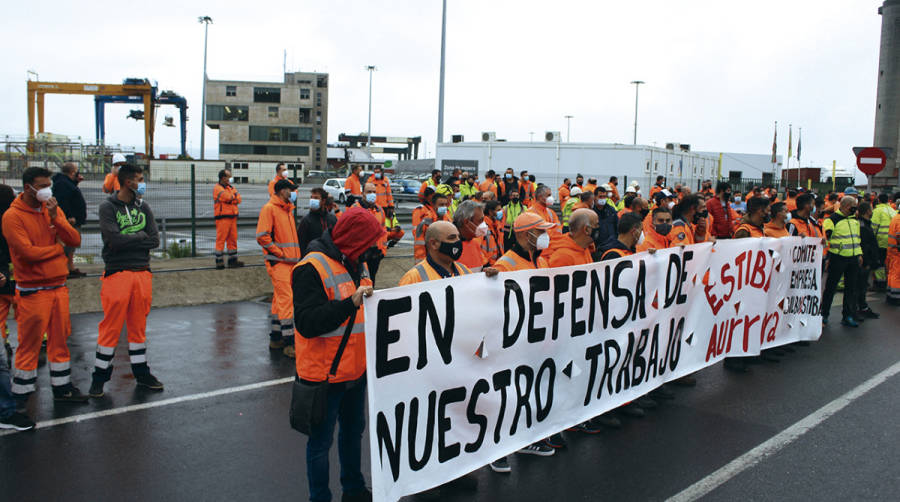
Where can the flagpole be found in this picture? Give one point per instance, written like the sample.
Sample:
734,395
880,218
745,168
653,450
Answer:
774,148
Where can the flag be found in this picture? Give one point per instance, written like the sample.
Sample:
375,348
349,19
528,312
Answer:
790,140
799,139
775,143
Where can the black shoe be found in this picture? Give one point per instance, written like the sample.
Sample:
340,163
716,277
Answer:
736,365
220,266
501,465
17,421
540,449
588,427
96,389
632,410
69,394
363,495
686,381
662,393
149,381
646,403
556,441
608,420
867,313
235,264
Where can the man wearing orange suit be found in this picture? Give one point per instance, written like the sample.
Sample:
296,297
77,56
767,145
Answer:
276,232
36,231
129,232
225,212
279,175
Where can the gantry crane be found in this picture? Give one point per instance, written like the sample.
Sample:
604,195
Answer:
164,98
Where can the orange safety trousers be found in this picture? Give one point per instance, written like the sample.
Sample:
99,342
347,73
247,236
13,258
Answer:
126,297
6,302
226,233
39,312
282,313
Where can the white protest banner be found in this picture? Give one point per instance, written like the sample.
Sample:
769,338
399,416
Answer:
465,370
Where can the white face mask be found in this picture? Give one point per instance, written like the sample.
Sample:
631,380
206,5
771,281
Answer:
601,202
481,230
671,205
549,201
43,194
640,239
543,242
787,219
231,180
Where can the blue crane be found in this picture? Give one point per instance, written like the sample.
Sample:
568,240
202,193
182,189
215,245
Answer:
164,98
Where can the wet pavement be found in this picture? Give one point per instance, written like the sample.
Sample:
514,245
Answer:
207,437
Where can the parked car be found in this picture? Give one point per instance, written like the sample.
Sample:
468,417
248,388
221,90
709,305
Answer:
397,186
411,186
335,188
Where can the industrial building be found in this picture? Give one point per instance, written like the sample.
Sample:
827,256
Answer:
271,121
887,107
552,161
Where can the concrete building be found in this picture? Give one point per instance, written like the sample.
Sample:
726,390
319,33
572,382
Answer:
271,121
887,108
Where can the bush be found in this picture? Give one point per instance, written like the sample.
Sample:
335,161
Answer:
179,249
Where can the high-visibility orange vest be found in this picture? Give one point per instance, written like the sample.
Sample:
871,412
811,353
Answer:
752,229
511,261
383,195
225,201
423,272
472,254
612,251
770,230
272,184
682,233
422,217
111,183
277,233
315,355
352,186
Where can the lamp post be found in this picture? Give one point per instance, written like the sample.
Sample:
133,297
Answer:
568,126
637,84
440,130
371,69
205,21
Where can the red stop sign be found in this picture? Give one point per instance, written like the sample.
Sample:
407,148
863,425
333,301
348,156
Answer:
871,160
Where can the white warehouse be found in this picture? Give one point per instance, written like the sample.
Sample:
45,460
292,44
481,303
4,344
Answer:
552,161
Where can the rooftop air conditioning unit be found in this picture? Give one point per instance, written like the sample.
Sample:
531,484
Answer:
489,136
552,136
457,138
672,146
685,148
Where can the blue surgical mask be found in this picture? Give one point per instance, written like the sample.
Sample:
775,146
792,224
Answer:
293,197
457,195
314,203
371,197
378,176
141,188
499,215
441,211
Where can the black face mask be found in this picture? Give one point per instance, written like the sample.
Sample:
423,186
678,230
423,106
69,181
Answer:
595,234
852,210
727,196
767,218
644,213
699,216
451,249
663,228
514,200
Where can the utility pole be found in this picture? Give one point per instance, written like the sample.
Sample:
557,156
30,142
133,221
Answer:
637,84
568,126
440,131
371,69
205,21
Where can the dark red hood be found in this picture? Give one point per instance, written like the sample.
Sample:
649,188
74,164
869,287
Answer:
356,231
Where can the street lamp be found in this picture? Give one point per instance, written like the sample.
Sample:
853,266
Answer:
568,125
205,21
636,83
440,131
371,69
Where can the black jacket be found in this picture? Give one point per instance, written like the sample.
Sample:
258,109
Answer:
314,313
504,187
312,226
871,255
609,221
70,199
128,232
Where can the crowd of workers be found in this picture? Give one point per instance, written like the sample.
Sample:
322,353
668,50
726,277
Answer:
323,265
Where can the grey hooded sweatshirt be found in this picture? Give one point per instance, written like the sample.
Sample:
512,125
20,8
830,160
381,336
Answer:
128,232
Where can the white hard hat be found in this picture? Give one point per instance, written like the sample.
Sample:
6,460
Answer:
630,190
575,191
118,158
606,187
634,183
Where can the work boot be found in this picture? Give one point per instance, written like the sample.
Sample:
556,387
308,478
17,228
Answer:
289,351
850,321
235,263
868,313
363,495
149,381
96,389
276,344
69,394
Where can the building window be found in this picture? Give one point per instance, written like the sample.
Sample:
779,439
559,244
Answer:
289,134
266,95
305,115
231,90
318,154
318,116
304,93
273,112
318,135
322,81
284,150
225,112
318,99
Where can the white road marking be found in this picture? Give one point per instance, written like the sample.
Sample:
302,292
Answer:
155,404
780,440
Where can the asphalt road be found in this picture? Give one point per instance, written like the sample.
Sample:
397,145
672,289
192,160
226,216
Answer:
236,442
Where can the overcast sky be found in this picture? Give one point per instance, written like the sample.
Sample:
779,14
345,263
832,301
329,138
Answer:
718,73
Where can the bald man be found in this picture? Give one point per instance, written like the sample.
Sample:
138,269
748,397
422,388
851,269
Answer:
575,247
443,246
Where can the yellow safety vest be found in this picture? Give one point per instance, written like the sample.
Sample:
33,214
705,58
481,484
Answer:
844,240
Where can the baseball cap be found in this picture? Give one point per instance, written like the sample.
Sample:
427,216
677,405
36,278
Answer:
527,221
